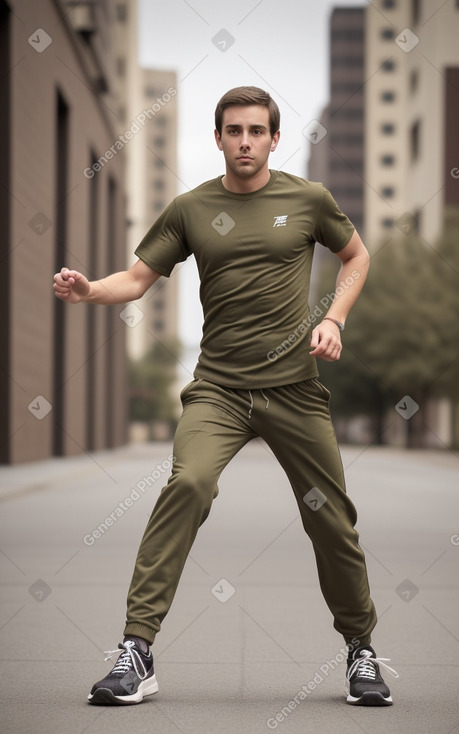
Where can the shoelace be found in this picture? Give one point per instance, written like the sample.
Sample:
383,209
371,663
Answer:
365,667
128,659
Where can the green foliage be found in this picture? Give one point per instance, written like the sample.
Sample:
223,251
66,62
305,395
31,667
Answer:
402,336
447,383
150,381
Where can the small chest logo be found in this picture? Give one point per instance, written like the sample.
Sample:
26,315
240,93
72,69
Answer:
280,221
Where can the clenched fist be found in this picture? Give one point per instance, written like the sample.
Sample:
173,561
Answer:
71,286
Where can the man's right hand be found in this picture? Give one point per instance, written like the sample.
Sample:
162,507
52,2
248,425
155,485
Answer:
71,286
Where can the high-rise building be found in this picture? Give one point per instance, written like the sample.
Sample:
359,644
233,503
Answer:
386,107
411,116
391,153
146,106
346,111
152,184
337,158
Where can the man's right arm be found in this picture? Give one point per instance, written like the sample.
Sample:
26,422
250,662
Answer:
128,285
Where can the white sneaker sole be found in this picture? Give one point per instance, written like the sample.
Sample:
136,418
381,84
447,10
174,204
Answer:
106,696
369,698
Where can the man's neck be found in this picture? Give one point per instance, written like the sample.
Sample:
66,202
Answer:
245,185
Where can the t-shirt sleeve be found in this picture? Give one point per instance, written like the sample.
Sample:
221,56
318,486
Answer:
332,228
164,245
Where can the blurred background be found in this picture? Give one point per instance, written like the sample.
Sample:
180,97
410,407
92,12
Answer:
106,114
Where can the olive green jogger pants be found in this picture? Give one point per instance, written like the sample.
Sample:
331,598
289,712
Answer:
216,423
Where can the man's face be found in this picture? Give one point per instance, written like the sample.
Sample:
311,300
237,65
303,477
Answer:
246,141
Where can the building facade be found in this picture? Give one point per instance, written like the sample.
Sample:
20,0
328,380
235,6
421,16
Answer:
391,149
63,372
411,117
152,185
146,103
398,62
337,160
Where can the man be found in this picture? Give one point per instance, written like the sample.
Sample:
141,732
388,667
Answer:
252,232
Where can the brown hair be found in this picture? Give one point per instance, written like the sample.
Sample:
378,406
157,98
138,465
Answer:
245,96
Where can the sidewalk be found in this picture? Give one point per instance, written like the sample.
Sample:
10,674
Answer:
248,628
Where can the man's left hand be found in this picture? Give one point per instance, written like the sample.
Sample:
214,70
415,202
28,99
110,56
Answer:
326,341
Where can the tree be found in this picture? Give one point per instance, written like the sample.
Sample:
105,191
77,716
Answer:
447,383
150,380
400,332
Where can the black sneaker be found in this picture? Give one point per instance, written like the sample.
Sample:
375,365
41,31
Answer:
365,686
132,678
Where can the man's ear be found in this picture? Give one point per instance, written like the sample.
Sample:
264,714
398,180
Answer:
218,140
274,141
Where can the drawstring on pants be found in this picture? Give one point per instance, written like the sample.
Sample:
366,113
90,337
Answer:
251,402
267,401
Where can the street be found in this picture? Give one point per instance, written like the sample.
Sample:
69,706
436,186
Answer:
248,629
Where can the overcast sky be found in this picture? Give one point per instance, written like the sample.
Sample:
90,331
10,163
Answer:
279,46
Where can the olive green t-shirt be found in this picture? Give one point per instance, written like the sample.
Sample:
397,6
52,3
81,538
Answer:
254,254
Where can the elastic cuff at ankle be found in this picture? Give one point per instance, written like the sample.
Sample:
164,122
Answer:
355,642
140,630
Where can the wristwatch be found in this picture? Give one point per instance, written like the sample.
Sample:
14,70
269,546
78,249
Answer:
338,323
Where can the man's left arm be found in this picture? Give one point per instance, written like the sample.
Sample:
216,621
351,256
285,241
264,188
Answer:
355,261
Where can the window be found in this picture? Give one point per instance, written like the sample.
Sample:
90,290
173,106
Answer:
158,184
62,157
347,139
387,223
121,12
415,135
415,11
388,192
347,61
338,164
414,80
387,34
159,142
387,128
158,325
121,66
387,160
388,4
347,34
340,192
158,163
388,65
387,96
346,87
352,113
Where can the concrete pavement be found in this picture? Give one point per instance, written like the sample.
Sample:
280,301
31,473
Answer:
248,629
